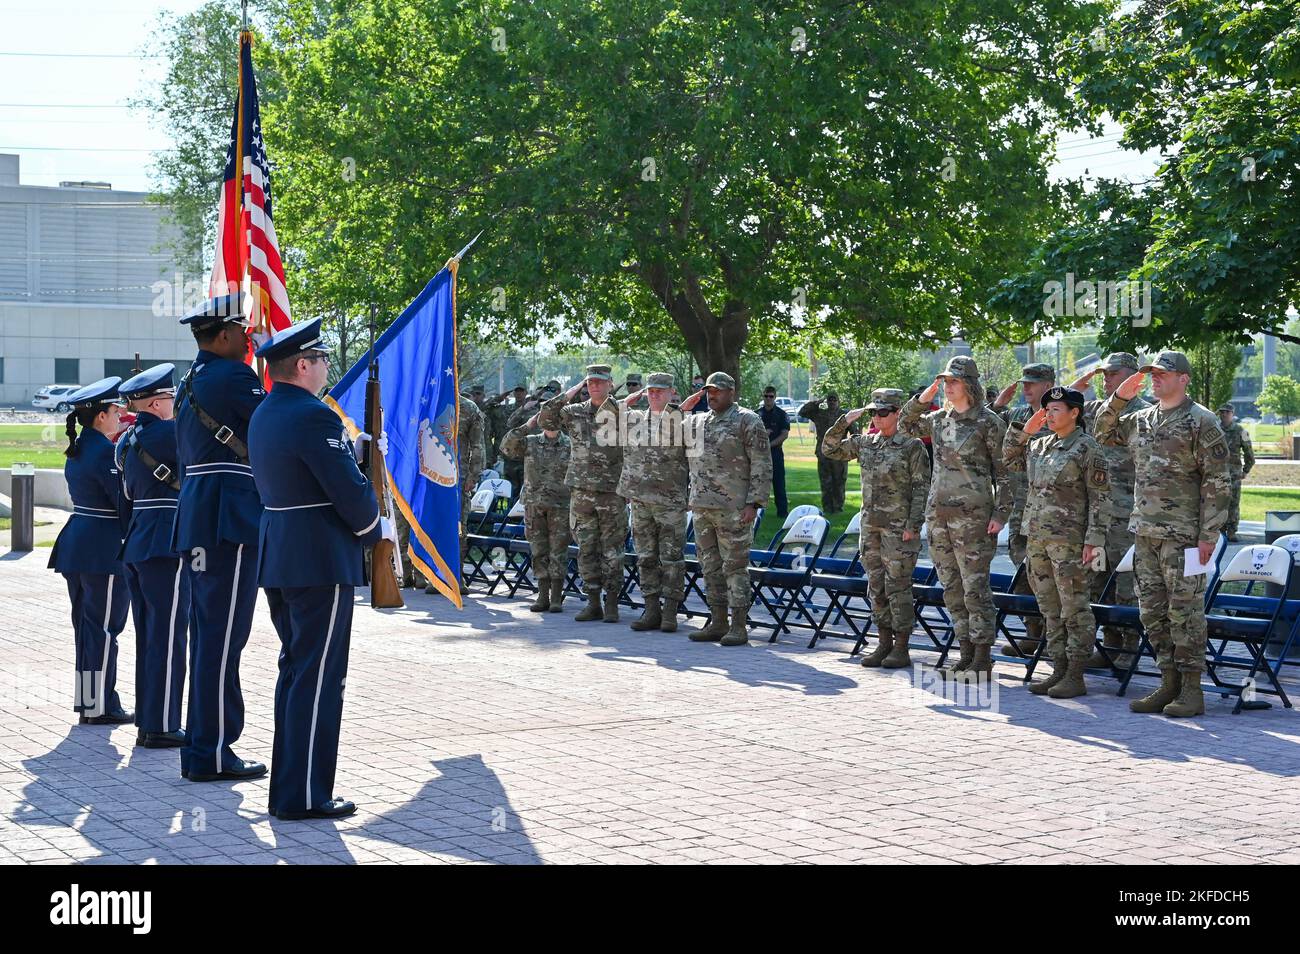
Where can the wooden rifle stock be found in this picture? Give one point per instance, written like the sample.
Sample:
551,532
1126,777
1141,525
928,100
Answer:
385,587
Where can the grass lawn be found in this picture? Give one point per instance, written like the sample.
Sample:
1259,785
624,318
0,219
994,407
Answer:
1255,500
40,444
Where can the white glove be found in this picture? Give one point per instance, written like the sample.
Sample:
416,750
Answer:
386,529
363,437
259,338
357,444
383,443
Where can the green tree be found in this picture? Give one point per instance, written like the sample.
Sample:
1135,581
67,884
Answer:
656,170
855,370
1214,372
1280,396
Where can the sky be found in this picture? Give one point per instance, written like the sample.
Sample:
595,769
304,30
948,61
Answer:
68,67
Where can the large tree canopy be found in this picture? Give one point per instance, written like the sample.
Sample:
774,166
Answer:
652,168
1215,84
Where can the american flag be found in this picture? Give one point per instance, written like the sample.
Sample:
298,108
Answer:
248,256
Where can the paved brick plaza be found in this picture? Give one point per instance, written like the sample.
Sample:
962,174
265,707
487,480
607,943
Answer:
496,735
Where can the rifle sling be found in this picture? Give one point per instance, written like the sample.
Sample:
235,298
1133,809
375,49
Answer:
161,472
220,432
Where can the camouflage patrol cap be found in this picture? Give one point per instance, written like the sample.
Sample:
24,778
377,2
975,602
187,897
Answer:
633,377
1034,373
1119,360
882,398
720,379
553,386
1226,407
1070,396
960,366
477,389
520,387
660,379
599,372
1174,361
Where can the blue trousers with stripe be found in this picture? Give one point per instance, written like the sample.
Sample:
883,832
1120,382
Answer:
315,628
223,594
99,607
160,605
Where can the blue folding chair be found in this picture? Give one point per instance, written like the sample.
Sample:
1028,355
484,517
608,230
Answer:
777,585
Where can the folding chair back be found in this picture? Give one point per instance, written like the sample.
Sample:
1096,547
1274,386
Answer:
793,517
482,500
488,474
852,534
1259,563
1248,620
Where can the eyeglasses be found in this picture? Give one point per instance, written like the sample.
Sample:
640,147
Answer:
882,412
316,357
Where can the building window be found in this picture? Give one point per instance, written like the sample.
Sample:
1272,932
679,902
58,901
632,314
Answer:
2,370
67,371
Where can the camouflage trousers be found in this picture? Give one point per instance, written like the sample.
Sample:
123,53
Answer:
1118,540
1017,546
1060,584
722,542
962,551
659,531
466,494
889,563
411,577
832,474
598,519
1172,606
547,531
1234,506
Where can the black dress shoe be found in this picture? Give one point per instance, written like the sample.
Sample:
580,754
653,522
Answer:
334,808
239,772
120,717
160,740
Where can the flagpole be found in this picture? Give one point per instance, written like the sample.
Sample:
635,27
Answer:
243,9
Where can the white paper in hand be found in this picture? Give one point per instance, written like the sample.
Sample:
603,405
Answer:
1192,565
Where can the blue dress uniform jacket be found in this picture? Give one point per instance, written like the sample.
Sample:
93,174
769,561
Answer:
218,501
320,510
148,501
91,540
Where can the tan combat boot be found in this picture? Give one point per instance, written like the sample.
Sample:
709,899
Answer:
964,661
1191,699
1059,665
981,664
882,650
611,606
1170,686
650,617
738,634
716,627
898,657
1072,685
543,601
592,609
557,596
668,618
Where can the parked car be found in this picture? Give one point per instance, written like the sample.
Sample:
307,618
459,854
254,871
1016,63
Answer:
51,397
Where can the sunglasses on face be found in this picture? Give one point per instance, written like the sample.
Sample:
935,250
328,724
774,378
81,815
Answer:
882,412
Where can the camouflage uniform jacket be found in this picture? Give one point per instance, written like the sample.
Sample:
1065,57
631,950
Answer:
470,444
731,462
545,464
1181,462
655,469
895,475
1238,446
1017,480
821,420
1068,485
969,474
596,459
1119,460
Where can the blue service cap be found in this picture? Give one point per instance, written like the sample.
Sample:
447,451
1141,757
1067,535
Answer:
103,391
296,339
150,381
216,310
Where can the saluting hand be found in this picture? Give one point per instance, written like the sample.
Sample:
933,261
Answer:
573,391
633,397
853,415
692,400
1131,386
1036,422
1006,394
928,395
1085,381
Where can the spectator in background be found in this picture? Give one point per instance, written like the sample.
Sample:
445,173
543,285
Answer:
697,384
777,423
831,473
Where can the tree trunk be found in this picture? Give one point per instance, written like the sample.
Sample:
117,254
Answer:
715,341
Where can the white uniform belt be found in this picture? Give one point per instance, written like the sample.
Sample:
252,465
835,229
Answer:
96,512
301,506
219,467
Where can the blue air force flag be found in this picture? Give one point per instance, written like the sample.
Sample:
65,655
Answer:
420,395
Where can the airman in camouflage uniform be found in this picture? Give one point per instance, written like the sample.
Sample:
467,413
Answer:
497,423
1239,449
1181,502
968,503
655,480
832,474
545,458
1120,643
1065,521
470,447
1034,380
731,476
597,514
895,482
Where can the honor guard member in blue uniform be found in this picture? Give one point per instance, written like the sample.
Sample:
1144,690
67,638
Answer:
88,551
320,513
160,588
216,529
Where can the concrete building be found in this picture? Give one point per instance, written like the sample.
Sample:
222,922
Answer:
86,281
